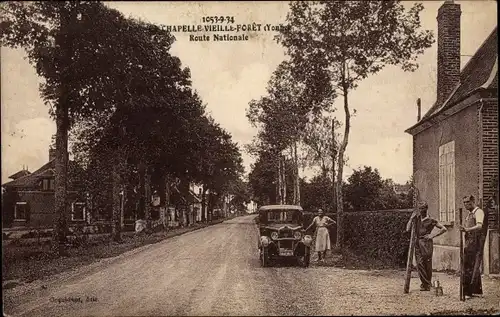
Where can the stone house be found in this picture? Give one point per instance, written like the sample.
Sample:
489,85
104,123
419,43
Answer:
455,144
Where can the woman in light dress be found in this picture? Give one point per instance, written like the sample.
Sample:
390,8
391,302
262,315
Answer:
322,223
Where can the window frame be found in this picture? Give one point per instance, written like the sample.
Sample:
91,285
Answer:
79,203
21,203
48,184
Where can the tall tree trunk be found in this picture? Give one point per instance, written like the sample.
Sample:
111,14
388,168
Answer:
340,167
116,216
297,178
204,203
294,179
279,197
142,190
162,188
61,164
334,154
64,42
210,205
163,193
147,194
283,178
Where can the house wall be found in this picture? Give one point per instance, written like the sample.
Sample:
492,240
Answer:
488,115
426,174
489,156
41,207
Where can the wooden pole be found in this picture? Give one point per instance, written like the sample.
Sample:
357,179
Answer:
413,239
462,296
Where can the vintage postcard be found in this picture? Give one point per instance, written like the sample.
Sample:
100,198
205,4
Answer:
249,158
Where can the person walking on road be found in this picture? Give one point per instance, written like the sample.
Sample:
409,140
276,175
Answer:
425,246
322,237
475,236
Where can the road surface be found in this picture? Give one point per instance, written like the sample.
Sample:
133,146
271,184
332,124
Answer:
216,271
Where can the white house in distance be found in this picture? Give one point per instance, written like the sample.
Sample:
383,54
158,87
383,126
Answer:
251,207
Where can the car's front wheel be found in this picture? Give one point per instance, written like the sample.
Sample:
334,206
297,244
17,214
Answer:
264,257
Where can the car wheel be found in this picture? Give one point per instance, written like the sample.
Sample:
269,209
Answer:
307,257
264,257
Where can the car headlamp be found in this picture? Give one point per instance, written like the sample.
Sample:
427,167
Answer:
307,240
297,235
264,241
274,235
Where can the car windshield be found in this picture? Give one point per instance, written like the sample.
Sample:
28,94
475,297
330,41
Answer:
283,216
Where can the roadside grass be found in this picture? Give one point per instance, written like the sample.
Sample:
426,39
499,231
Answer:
24,263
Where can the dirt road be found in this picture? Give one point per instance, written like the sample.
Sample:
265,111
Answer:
216,271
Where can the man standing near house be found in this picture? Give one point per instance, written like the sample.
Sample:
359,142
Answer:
425,246
473,247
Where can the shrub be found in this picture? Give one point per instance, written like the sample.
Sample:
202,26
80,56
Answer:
379,235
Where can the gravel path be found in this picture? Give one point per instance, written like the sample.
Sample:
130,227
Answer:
216,271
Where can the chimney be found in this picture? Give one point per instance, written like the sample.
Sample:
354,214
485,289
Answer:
419,110
448,61
52,154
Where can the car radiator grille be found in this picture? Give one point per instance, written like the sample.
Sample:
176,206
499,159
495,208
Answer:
288,244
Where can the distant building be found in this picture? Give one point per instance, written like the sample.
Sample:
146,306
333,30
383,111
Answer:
251,207
455,144
29,198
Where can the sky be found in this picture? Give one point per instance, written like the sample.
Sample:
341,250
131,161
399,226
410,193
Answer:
228,75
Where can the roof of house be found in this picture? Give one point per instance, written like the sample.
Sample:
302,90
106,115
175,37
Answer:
480,72
21,173
192,198
30,180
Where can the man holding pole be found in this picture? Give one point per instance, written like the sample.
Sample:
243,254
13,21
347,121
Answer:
424,244
473,247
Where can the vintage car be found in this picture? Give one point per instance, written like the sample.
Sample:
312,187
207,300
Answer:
282,234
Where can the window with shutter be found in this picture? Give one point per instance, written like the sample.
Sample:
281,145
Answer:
447,182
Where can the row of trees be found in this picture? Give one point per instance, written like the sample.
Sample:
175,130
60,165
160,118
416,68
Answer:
125,104
364,190
331,47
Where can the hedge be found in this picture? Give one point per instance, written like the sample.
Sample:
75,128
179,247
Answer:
379,235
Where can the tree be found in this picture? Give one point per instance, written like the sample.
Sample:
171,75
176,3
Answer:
48,32
347,41
240,193
366,190
363,189
146,139
282,116
263,178
321,145
115,64
317,193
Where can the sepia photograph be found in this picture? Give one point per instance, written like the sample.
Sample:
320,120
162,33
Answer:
247,158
